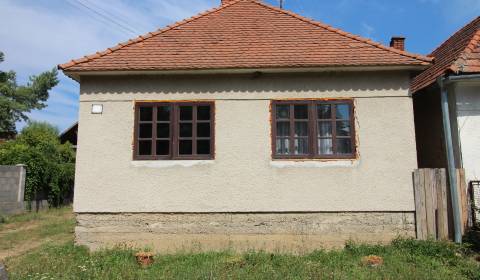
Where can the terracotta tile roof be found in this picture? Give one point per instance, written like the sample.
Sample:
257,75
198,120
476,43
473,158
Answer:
244,34
460,53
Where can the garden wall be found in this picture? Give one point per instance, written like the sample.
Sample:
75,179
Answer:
12,189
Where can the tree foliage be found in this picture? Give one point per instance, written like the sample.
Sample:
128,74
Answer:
50,164
16,100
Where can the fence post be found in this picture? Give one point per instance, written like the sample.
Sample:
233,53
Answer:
442,207
420,212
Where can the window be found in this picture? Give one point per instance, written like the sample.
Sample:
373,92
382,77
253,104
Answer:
174,131
313,129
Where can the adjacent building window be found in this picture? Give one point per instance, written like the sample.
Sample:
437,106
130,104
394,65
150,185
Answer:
313,129
174,131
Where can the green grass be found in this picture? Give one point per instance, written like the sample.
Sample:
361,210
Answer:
403,259
32,228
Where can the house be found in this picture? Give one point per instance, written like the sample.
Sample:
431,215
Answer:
70,135
455,73
246,126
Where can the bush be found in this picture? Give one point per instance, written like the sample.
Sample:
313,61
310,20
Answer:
50,164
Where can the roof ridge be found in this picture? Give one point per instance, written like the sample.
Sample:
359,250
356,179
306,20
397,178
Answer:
347,34
143,37
453,35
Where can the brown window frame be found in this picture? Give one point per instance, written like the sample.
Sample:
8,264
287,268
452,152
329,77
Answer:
313,128
174,128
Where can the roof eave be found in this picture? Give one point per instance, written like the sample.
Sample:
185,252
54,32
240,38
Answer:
76,74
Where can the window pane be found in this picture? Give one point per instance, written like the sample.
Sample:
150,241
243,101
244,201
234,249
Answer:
283,111
343,128
203,112
185,147
163,147
203,129
343,111
301,111
301,128
186,130
344,146
282,146
163,130
203,147
145,130
163,113
146,113
301,146
324,111
186,112
283,128
325,129
145,147
325,146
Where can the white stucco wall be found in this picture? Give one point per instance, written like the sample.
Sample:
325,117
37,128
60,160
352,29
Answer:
243,177
468,119
467,96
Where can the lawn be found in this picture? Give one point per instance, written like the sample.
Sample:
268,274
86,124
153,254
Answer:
58,258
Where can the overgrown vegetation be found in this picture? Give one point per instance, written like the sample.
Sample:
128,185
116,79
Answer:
50,164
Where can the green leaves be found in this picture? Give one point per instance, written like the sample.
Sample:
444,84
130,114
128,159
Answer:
16,101
50,164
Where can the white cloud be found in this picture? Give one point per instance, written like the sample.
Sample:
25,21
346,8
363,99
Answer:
367,30
38,35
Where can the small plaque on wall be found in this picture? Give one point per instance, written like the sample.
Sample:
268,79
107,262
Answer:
97,108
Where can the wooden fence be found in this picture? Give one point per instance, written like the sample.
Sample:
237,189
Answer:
433,210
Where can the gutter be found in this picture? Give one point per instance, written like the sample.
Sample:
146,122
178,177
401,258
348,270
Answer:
75,74
452,174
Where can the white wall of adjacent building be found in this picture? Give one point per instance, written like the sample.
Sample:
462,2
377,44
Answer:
467,96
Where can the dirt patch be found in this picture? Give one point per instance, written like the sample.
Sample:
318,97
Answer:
26,233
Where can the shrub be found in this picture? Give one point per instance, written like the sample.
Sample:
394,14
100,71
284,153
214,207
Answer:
50,164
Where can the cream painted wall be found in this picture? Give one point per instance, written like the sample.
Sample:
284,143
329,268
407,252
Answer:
468,119
243,177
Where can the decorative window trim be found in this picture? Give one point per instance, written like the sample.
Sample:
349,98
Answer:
174,136
312,128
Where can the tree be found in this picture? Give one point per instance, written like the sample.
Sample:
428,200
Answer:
16,101
50,164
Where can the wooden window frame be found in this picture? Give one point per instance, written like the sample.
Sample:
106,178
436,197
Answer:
174,137
313,128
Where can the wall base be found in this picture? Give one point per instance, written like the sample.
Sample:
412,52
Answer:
283,232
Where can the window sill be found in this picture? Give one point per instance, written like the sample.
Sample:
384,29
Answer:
313,163
170,163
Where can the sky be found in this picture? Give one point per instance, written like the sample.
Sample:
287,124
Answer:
37,35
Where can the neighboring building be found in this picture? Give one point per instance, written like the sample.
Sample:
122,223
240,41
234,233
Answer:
245,126
457,63
70,135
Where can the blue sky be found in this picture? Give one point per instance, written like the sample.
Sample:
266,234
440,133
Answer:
36,35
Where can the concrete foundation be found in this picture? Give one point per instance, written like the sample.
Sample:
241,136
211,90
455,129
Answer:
284,232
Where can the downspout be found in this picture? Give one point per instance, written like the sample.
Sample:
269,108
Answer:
452,172
452,177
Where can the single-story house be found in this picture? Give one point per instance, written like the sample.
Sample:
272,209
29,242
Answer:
70,135
246,126
455,73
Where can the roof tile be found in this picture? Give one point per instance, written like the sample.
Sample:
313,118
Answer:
244,34
459,53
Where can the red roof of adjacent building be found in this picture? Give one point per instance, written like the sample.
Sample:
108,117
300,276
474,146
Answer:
459,54
244,34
